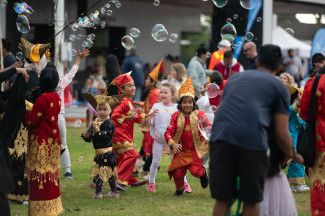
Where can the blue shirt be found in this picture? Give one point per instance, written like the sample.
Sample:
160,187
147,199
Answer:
134,63
248,104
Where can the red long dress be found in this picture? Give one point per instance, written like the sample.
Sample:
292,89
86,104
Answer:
43,156
184,130
317,172
123,140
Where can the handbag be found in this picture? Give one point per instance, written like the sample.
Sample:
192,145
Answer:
306,140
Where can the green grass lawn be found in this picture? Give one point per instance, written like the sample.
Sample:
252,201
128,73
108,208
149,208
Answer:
77,196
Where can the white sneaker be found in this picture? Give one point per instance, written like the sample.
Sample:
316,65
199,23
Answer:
98,196
113,195
299,188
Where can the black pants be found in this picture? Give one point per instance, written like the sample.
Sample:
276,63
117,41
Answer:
99,184
4,204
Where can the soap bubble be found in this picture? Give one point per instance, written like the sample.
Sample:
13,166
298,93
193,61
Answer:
258,19
228,32
77,123
80,36
250,4
22,24
107,6
228,20
74,52
235,16
249,36
212,90
74,26
118,5
102,10
109,13
72,37
159,33
127,42
19,56
3,3
22,8
173,37
91,36
102,24
134,32
156,3
290,31
89,43
220,3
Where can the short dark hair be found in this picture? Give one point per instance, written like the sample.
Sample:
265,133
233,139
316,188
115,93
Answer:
228,54
317,58
6,44
216,77
270,56
49,79
201,50
180,101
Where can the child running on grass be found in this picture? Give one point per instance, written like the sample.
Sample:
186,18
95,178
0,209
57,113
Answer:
186,140
158,126
100,133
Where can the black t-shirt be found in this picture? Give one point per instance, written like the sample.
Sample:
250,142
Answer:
248,104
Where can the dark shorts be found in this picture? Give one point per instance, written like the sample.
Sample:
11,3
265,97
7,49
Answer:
227,162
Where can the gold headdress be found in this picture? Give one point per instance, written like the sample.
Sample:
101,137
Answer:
293,88
33,52
95,100
187,89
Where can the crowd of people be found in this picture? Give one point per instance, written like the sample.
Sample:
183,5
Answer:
236,138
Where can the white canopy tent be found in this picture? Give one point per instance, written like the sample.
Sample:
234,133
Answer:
286,41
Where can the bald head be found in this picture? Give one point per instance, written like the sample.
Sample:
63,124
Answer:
250,50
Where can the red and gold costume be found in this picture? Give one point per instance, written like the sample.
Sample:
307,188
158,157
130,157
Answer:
43,156
184,130
317,172
124,116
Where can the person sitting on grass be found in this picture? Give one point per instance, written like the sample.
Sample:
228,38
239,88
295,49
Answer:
184,137
100,133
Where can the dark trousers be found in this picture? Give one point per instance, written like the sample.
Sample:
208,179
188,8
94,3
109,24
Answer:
4,204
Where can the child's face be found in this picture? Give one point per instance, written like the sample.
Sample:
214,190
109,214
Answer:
284,79
129,89
149,83
165,95
103,110
187,105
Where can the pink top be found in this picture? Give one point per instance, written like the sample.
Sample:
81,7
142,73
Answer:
64,81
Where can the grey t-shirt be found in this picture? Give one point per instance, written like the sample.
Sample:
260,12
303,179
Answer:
248,104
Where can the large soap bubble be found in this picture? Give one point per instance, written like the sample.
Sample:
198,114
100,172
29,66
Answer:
22,8
220,3
134,32
250,4
159,33
228,32
127,42
22,24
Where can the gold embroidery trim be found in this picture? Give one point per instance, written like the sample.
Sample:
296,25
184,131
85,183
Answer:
45,207
19,198
43,161
103,172
103,150
121,120
317,172
121,147
297,181
20,143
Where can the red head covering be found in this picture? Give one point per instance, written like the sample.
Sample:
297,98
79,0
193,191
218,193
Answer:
122,80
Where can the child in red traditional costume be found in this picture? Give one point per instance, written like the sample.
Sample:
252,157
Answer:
147,143
124,116
184,137
44,146
100,133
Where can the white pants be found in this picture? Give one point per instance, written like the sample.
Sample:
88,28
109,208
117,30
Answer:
65,157
157,152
